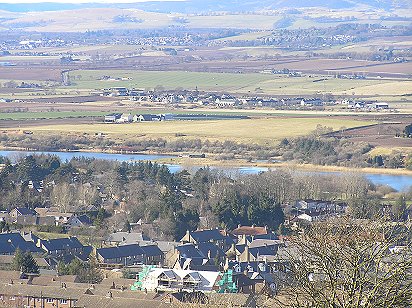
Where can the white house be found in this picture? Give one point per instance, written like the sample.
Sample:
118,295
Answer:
125,118
164,279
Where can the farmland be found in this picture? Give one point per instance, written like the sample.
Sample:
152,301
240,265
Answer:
260,131
241,83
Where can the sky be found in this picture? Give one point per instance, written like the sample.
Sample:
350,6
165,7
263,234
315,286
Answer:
78,1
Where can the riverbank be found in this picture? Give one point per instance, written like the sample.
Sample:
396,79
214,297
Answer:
195,162
173,158
400,180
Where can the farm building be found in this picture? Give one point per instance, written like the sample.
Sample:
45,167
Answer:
112,118
381,105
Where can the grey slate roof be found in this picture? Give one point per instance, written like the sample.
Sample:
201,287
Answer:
126,237
203,236
151,250
120,251
189,251
9,242
62,243
214,250
26,211
263,251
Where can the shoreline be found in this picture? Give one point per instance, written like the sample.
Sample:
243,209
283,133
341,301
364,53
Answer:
283,165
191,162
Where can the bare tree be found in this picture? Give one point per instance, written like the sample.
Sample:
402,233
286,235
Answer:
348,264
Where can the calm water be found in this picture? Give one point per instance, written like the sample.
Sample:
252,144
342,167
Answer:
398,182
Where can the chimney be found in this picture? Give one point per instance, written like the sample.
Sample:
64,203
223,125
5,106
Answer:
209,254
239,225
109,295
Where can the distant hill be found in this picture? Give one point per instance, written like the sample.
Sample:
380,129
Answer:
196,6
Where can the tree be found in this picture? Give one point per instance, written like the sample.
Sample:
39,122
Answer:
399,210
87,272
127,227
24,262
186,219
407,132
345,264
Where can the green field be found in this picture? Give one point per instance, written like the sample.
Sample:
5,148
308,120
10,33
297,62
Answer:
49,115
261,131
241,83
231,112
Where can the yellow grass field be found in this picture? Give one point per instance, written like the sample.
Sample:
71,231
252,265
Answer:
261,131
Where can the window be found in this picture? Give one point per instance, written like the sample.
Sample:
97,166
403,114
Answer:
63,301
49,300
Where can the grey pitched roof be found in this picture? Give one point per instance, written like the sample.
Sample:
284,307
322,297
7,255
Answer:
9,242
214,250
120,251
189,251
62,243
262,243
203,236
84,219
263,251
126,237
26,211
151,250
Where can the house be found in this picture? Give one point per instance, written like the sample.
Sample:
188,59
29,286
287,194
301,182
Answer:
9,242
310,205
212,252
257,253
164,279
21,211
145,117
125,118
166,117
226,102
79,221
61,247
249,231
215,236
125,238
248,239
118,91
130,255
74,295
4,216
152,255
36,185
112,118
179,254
35,221
59,218
381,106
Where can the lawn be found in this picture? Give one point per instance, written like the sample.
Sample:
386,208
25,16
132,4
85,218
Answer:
262,130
